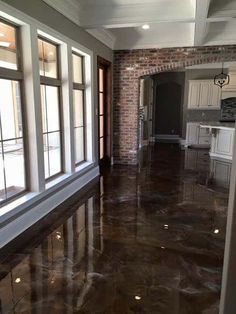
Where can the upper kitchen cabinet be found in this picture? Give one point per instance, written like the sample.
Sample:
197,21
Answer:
203,94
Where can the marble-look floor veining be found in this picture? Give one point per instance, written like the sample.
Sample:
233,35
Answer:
143,240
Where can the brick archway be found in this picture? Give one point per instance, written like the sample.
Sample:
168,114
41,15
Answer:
129,66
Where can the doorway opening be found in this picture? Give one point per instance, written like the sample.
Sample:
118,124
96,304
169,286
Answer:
104,112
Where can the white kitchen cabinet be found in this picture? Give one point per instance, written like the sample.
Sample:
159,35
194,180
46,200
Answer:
203,95
197,136
215,101
193,96
222,143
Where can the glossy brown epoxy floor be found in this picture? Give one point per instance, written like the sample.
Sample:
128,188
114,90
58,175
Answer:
144,242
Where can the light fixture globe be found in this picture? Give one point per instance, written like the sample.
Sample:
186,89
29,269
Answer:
221,79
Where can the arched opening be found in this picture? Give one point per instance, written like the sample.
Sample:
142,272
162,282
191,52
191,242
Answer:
129,68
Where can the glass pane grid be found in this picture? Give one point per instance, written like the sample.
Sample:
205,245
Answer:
12,155
8,46
77,68
51,130
78,108
79,145
48,60
101,80
101,114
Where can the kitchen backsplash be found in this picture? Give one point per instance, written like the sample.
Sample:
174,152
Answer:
228,109
202,115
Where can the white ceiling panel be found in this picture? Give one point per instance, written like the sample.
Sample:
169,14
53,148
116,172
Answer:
158,36
117,13
117,23
221,33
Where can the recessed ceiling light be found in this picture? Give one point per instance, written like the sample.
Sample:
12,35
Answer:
5,44
137,297
145,26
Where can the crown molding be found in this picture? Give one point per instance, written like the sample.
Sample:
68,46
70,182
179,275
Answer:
69,9
103,35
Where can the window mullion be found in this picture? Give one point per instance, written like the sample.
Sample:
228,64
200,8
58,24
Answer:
33,112
67,93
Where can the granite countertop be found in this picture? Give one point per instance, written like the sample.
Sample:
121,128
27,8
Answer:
217,125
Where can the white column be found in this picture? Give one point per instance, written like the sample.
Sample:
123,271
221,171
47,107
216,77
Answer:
228,300
33,108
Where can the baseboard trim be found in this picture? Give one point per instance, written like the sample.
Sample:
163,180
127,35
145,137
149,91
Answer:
166,138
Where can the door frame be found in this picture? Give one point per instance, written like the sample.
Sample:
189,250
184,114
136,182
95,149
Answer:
107,66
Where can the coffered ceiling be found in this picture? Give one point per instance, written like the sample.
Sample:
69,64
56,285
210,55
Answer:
173,23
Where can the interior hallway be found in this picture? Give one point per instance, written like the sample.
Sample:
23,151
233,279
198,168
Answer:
146,240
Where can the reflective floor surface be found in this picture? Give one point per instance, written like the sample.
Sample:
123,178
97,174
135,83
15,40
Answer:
143,240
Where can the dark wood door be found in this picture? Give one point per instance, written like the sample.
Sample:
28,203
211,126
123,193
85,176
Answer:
104,111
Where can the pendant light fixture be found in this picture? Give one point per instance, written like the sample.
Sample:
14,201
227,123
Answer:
222,79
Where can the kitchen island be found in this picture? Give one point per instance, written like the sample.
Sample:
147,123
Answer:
222,139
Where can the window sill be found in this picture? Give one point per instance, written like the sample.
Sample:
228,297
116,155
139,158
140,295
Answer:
83,166
17,203
65,176
29,199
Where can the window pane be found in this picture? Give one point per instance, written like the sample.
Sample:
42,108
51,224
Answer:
2,185
77,69
51,123
50,108
101,126
46,156
101,78
101,148
78,108
10,109
8,57
101,103
54,153
43,107
47,59
14,166
79,145
52,103
40,51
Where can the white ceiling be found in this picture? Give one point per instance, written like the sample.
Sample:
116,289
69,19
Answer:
173,23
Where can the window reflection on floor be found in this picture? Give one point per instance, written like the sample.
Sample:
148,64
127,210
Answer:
55,275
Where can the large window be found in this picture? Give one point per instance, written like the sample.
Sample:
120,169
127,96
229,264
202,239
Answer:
79,107
45,94
50,105
101,114
12,153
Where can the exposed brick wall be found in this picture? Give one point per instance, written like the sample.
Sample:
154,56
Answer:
129,66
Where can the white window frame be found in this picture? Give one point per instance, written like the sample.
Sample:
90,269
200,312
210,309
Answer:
30,29
15,75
